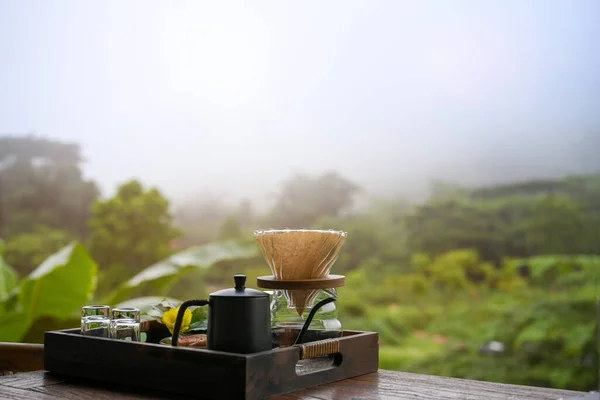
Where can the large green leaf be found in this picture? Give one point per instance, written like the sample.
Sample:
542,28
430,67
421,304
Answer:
159,276
8,277
63,283
14,326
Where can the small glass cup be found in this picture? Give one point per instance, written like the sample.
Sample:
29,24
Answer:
93,311
87,311
126,313
95,325
125,329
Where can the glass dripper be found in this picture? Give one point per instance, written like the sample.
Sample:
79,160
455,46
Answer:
300,255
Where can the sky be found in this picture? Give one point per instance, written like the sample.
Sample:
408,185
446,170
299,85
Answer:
232,97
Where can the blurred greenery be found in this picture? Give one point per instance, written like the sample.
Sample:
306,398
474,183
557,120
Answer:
42,193
128,232
545,322
8,276
161,276
56,289
26,250
496,283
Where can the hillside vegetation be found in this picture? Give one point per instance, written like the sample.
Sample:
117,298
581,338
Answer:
496,283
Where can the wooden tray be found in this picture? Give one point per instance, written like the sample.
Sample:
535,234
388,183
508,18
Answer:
208,374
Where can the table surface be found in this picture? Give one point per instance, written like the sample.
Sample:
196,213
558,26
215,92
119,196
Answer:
381,385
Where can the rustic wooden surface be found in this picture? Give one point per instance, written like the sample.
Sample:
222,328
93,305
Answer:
380,385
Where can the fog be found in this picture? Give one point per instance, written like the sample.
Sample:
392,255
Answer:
231,97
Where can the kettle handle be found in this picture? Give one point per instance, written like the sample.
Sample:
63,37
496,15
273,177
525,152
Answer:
184,306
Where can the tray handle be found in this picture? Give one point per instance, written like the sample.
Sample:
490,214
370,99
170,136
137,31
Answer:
319,348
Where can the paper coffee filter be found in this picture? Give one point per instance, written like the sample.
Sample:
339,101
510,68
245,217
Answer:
300,254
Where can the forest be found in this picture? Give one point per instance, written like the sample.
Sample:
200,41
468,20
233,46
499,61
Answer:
493,283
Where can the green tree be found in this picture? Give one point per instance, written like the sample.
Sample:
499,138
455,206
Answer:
41,184
25,251
515,220
130,231
304,199
556,226
440,226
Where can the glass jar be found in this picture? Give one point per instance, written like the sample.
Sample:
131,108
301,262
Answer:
290,310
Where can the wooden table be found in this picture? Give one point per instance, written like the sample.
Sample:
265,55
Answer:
381,385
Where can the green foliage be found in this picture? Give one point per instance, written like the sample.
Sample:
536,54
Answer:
414,350
25,251
8,276
435,319
555,226
510,263
158,278
199,319
558,217
130,231
145,304
494,227
56,289
41,184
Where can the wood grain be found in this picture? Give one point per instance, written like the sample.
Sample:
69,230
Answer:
76,391
29,380
8,393
382,385
401,385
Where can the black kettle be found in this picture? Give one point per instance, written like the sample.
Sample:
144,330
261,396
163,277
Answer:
239,319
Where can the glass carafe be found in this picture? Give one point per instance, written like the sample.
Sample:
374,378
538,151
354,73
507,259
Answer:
288,317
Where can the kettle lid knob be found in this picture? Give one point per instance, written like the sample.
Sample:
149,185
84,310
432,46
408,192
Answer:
240,282
240,290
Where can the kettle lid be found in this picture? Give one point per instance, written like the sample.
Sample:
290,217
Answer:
240,289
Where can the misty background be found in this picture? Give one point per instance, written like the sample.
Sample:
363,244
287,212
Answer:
229,98
456,142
